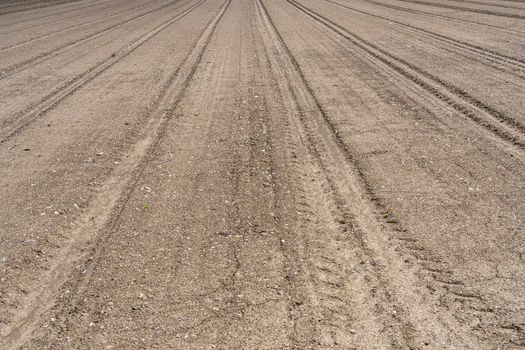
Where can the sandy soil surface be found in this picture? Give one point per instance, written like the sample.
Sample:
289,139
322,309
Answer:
262,174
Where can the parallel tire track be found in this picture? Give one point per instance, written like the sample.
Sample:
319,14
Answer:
491,4
351,198
56,21
109,204
501,125
64,30
37,6
447,18
21,121
466,9
440,273
57,13
25,64
302,102
487,54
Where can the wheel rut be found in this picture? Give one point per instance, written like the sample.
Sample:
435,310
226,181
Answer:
491,4
444,17
466,9
439,269
484,55
105,208
36,6
501,125
262,174
357,217
55,21
20,121
60,13
62,31
28,63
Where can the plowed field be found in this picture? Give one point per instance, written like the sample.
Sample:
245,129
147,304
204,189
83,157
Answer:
262,174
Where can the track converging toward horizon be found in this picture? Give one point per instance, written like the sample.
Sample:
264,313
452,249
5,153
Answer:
262,174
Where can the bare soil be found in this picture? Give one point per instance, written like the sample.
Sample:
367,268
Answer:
262,174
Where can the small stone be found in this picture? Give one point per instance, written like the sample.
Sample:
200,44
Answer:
224,233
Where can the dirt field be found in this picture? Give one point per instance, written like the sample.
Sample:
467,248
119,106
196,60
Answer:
262,174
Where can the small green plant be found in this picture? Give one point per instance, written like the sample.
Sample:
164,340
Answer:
146,206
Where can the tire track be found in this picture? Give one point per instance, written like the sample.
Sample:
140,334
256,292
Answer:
37,6
495,58
285,189
490,4
350,198
466,9
19,122
60,13
324,278
447,18
501,125
116,191
33,26
433,270
21,66
64,30
11,4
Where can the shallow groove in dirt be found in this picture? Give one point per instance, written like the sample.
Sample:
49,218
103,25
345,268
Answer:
32,26
487,54
440,16
361,220
25,64
36,6
25,118
466,9
262,174
62,31
110,202
503,126
491,4
53,14
442,274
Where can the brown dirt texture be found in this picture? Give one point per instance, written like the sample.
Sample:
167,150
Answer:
262,174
